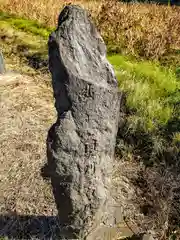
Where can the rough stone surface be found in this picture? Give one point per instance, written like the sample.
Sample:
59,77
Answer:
2,64
80,145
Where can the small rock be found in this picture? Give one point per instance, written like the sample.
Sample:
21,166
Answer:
2,64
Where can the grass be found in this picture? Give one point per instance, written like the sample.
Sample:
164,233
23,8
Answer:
21,39
40,10
152,91
26,113
25,25
149,31
150,132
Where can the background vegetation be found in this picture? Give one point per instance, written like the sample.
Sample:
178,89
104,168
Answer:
143,44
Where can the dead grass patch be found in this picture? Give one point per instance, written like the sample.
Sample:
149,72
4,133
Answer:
44,11
26,113
146,30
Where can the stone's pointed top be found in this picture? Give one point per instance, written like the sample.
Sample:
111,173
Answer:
81,49
71,10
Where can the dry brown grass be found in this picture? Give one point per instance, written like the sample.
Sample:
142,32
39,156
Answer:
147,30
26,113
43,11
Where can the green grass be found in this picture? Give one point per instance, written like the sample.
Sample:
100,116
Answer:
18,33
152,91
25,25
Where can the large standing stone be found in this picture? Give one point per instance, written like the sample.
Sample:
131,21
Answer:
80,145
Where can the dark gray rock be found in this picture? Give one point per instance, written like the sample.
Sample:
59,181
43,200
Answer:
2,64
80,145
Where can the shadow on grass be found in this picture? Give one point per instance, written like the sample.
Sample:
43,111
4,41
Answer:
29,227
37,62
35,227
